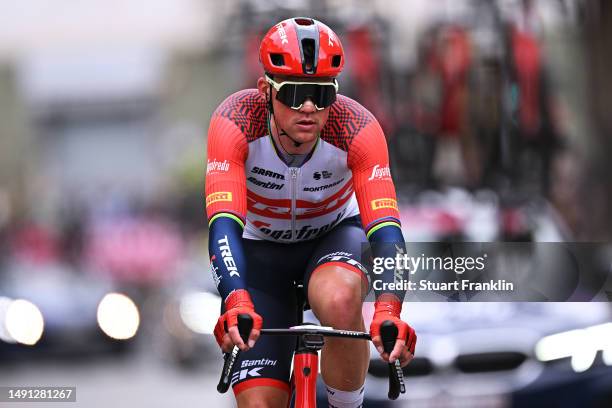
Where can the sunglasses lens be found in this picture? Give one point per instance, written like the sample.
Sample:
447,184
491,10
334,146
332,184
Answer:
294,95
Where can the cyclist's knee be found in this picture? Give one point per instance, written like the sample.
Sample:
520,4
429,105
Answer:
262,397
335,297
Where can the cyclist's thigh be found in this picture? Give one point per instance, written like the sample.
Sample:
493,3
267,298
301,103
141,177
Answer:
343,247
263,396
271,270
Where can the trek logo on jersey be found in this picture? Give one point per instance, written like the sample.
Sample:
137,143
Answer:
282,33
267,173
214,165
383,203
380,173
226,254
218,196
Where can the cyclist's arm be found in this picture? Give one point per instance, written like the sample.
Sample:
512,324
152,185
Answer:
226,204
375,192
369,161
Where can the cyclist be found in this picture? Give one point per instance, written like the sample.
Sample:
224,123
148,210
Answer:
297,179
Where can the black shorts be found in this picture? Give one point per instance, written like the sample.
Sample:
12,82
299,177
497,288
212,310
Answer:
272,270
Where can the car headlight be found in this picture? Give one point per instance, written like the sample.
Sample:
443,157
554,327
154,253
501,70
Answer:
23,322
581,345
4,305
200,311
118,316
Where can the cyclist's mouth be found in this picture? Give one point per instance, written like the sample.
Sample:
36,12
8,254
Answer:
306,125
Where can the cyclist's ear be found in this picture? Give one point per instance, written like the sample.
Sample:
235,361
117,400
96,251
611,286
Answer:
263,87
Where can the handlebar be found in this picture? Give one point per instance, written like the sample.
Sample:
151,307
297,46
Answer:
388,332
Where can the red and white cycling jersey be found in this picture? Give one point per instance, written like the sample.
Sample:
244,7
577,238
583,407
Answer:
347,173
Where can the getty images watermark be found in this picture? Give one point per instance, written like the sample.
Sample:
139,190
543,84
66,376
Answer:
493,271
401,263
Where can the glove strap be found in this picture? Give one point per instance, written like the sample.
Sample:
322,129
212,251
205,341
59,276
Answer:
388,304
238,298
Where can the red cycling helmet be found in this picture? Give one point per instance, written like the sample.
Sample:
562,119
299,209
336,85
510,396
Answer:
301,47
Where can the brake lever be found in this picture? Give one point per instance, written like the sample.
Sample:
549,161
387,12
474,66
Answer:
245,324
388,334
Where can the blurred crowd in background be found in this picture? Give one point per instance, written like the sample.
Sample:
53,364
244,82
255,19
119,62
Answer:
496,115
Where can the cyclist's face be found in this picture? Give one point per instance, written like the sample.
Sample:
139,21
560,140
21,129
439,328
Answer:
303,124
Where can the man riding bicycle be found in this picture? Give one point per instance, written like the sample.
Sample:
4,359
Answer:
297,180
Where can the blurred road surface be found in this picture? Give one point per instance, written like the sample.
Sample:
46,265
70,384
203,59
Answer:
134,381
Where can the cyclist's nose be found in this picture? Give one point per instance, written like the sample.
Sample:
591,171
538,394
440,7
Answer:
308,106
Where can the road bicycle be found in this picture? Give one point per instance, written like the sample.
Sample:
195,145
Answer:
310,339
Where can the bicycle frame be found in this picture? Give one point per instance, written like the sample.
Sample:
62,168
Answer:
304,378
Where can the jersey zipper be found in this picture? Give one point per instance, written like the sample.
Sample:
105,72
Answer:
294,174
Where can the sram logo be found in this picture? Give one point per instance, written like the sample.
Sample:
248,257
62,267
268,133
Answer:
267,173
218,196
380,173
383,203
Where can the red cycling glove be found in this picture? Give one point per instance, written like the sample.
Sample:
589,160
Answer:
389,308
238,302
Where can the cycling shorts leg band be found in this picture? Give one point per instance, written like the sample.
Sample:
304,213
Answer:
344,399
261,382
344,265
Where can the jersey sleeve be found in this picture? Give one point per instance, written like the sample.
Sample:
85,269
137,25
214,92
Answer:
226,204
369,161
225,181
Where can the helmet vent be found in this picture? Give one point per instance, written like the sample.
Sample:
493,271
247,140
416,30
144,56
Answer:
277,59
336,60
304,21
308,48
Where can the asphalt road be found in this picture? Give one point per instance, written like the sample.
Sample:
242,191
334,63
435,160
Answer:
138,380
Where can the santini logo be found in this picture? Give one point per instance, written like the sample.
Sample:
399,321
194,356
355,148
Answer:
380,172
